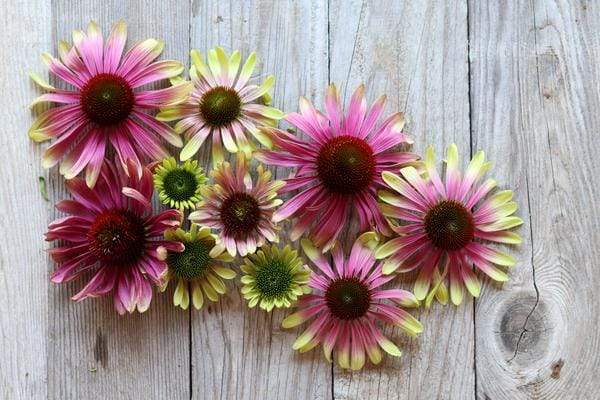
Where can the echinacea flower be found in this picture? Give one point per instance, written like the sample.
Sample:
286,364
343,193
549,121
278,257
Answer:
240,210
347,305
112,231
224,104
446,226
103,104
338,169
199,264
274,277
178,185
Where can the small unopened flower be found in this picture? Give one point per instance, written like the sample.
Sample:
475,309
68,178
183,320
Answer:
447,227
348,304
113,232
338,166
105,103
274,277
224,105
178,185
197,264
241,210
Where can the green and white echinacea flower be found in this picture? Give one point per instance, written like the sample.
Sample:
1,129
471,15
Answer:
224,104
274,277
178,185
197,266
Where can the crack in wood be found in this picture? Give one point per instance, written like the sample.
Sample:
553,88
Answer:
537,292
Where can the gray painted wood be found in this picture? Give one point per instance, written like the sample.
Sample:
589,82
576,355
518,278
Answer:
237,352
517,79
416,53
93,352
534,90
23,212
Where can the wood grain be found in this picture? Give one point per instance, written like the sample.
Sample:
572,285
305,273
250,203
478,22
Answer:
520,80
95,353
416,53
237,352
534,81
23,265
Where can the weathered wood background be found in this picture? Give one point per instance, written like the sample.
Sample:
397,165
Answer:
519,79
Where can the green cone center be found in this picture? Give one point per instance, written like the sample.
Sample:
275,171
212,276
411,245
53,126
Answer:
180,184
192,262
273,279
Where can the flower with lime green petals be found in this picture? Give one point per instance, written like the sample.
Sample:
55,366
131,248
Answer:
178,185
445,227
274,277
225,104
197,267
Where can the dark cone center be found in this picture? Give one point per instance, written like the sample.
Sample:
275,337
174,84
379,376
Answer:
117,237
107,99
449,225
348,298
346,165
240,214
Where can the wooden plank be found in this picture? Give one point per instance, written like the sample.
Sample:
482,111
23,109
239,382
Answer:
95,353
416,53
240,353
535,79
23,278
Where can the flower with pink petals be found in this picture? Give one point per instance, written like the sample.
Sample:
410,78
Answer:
112,231
445,227
102,104
348,302
339,166
224,104
240,210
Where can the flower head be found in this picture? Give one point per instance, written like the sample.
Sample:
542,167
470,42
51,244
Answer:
224,104
240,210
178,185
104,103
339,166
112,231
347,303
196,263
274,277
446,226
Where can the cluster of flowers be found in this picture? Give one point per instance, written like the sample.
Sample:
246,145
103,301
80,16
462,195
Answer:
438,225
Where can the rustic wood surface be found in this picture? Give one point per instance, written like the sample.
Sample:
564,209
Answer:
518,79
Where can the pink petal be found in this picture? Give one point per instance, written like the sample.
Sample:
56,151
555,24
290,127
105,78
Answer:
356,112
372,117
295,203
114,47
101,284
